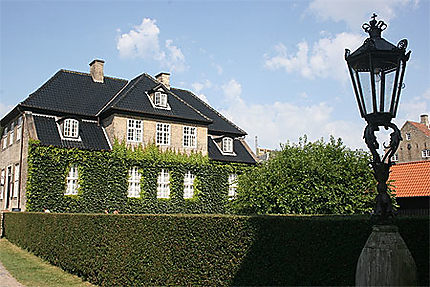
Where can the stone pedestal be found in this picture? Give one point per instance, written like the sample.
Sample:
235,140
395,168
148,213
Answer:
385,260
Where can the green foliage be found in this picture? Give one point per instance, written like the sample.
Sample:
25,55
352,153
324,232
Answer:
103,180
309,178
208,250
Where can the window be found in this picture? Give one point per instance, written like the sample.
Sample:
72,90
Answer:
134,130
16,181
160,100
70,128
227,144
408,136
189,184
2,183
163,134
232,185
190,137
72,181
134,182
18,129
11,134
395,157
426,153
163,184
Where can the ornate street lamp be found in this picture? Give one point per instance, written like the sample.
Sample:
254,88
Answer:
377,70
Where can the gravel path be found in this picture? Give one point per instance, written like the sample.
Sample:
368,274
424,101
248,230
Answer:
6,280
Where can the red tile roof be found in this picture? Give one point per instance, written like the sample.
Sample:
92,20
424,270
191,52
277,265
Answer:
421,127
411,178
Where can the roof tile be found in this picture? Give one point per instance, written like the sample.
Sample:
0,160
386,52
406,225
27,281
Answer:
411,178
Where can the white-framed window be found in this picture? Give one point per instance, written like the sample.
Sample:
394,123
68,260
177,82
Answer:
70,128
163,134
189,184
395,157
426,153
18,128
232,185
5,137
2,183
408,136
72,181
134,130
16,181
160,99
163,184
134,177
11,134
227,144
190,136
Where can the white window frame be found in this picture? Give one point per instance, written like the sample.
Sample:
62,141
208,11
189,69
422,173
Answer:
408,136
163,184
232,185
134,130
2,182
160,99
18,129
227,145
395,157
4,141
425,153
11,134
134,177
162,134
72,180
189,184
189,136
71,128
15,181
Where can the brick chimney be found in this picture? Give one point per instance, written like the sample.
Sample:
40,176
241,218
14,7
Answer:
96,70
164,78
425,120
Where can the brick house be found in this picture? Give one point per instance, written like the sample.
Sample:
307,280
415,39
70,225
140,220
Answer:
415,145
90,111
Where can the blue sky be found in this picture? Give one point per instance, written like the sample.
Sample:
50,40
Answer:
275,68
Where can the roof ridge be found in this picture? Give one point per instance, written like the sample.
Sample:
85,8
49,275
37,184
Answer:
179,98
215,111
138,78
88,74
412,162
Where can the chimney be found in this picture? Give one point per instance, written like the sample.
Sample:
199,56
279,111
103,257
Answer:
164,78
425,120
96,70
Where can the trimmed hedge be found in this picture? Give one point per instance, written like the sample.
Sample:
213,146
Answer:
103,179
207,250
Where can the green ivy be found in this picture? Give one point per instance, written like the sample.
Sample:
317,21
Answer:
103,180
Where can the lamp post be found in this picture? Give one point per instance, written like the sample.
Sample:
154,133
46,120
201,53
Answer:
377,69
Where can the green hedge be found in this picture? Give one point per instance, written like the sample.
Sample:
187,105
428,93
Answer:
103,179
207,250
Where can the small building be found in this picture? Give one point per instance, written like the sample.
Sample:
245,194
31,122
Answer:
411,182
415,145
90,111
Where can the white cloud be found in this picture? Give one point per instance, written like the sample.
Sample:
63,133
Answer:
411,108
356,12
325,59
199,86
277,122
143,42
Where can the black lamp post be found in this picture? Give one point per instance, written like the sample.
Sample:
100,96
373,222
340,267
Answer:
377,70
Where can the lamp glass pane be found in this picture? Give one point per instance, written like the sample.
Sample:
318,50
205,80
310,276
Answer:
389,86
366,88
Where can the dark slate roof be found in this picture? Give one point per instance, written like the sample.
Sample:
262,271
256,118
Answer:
92,135
242,154
133,98
220,124
74,93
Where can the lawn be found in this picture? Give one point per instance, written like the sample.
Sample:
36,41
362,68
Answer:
31,271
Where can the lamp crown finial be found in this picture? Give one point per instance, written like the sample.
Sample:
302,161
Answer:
374,28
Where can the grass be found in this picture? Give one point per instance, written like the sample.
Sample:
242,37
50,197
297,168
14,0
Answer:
31,271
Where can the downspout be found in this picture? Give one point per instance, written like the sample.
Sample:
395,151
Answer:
20,158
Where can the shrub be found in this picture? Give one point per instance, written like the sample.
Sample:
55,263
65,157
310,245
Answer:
207,250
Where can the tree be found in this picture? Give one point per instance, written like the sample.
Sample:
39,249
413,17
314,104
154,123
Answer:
309,178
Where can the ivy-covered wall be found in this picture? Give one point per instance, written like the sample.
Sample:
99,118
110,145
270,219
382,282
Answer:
103,180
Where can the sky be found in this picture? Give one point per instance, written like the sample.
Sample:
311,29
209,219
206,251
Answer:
275,68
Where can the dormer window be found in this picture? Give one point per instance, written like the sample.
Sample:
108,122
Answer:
70,128
160,100
227,145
